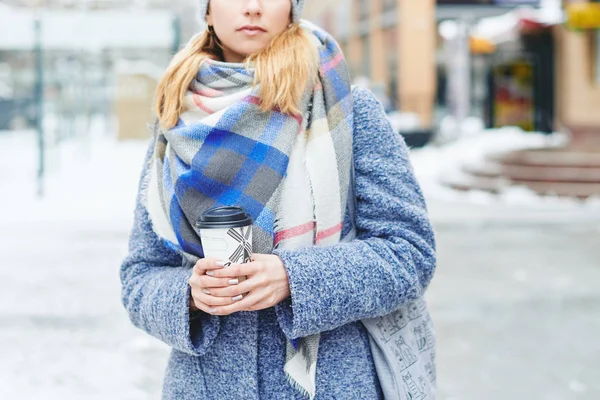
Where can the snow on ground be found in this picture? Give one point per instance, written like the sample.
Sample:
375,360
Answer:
87,178
434,164
63,331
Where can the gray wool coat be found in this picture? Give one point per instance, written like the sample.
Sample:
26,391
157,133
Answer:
241,356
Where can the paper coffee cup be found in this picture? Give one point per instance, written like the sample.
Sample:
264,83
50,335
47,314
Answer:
226,234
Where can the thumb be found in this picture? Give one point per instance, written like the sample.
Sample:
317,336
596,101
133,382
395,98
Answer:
201,266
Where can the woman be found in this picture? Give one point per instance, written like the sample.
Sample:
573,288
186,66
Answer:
257,111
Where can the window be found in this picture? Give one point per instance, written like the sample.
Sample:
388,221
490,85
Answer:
596,55
596,41
388,5
363,10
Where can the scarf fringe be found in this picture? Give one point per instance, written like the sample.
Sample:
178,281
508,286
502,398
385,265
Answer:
299,387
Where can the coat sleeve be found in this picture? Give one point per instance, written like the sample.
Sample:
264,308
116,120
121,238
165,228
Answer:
392,259
155,289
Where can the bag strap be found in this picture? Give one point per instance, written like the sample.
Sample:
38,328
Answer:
352,205
351,235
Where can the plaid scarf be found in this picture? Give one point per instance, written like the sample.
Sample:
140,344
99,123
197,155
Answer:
290,172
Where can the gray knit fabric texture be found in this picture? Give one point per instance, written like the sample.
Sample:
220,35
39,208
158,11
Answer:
297,6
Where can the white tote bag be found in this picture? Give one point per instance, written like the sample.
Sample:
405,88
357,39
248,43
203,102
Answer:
402,343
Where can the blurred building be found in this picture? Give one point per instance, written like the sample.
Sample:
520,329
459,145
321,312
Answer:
96,4
184,9
58,80
395,43
539,71
578,72
392,42
548,83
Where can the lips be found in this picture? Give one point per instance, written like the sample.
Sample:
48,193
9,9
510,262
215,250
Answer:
252,29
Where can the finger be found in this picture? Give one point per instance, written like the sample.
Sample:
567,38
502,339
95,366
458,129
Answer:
242,305
210,282
236,270
213,301
244,287
194,281
204,281
208,264
203,307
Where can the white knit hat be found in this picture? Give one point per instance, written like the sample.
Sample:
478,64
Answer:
297,6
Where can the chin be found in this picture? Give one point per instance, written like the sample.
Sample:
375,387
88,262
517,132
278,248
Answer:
250,48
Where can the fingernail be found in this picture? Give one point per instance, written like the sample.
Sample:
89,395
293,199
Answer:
212,310
210,273
234,281
237,298
206,291
221,263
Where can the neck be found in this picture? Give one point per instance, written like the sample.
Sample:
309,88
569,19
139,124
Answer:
232,57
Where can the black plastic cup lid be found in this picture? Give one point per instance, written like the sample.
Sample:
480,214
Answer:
224,218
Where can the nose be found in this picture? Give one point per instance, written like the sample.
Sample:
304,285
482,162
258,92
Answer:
253,8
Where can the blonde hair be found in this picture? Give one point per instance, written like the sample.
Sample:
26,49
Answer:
284,68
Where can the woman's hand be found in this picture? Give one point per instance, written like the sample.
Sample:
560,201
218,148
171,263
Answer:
267,285
202,283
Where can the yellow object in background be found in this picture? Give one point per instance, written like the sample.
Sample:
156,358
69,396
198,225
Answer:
481,45
583,15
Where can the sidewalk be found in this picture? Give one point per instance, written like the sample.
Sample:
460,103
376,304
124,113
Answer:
516,303
63,331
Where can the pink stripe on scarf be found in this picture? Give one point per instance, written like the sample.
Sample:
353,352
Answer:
200,105
294,231
298,118
333,63
329,232
208,92
253,100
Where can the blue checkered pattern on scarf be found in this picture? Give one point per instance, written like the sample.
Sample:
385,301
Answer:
234,184
242,158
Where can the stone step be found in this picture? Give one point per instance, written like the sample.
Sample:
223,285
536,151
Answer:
550,158
470,182
568,171
497,185
565,189
529,173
